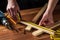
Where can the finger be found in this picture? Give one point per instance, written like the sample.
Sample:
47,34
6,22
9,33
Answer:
49,25
18,10
46,22
8,11
41,23
51,22
11,12
15,15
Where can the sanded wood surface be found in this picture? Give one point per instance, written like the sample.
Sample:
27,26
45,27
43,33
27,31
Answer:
6,34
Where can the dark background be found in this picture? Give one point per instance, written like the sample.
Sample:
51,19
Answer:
24,4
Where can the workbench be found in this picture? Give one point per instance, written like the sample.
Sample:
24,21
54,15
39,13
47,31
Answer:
6,34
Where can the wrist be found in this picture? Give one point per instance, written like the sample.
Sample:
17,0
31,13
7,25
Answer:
11,1
48,11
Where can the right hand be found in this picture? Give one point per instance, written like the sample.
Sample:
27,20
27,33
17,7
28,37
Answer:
47,19
12,9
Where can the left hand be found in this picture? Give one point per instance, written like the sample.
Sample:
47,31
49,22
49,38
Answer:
12,8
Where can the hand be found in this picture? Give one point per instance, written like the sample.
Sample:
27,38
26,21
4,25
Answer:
12,8
47,20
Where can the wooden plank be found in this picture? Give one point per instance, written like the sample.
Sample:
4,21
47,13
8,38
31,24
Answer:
39,13
30,11
37,16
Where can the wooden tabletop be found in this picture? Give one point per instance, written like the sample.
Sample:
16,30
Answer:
6,34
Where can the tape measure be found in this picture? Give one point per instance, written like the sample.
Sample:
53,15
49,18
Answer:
18,18
47,30
56,36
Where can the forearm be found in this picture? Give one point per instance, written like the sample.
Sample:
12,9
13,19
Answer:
11,1
51,5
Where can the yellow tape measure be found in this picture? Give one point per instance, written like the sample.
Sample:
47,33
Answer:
47,30
56,36
18,17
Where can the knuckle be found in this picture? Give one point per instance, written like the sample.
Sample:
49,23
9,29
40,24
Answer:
13,7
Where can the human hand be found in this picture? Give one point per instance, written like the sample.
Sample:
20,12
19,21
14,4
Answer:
12,8
47,20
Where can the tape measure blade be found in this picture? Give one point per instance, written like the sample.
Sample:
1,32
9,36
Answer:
47,30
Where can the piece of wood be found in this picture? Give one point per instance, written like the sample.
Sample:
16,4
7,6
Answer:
56,25
28,28
30,11
37,16
39,13
38,32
